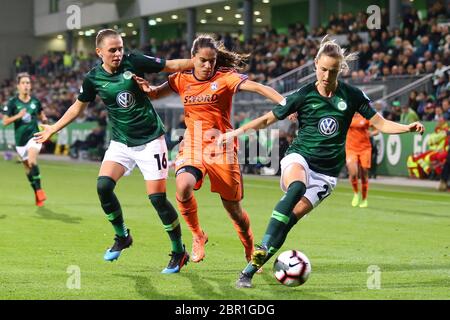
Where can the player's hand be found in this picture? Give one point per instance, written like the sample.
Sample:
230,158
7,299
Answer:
416,127
293,117
22,113
45,134
145,86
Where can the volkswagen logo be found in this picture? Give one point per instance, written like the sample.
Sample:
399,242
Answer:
125,99
328,126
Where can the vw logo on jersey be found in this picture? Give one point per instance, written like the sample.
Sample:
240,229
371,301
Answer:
328,126
214,86
32,106
125,99
342,105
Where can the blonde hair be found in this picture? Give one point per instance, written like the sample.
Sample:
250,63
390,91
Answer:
330,48
104,33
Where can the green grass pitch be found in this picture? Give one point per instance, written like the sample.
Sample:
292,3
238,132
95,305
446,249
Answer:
404,233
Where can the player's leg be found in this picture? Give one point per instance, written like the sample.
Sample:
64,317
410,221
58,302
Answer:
241,223
365,163
156,191
189,178
352,167
110,173
152,161
294,169
293,180
226,179
117,162
35,175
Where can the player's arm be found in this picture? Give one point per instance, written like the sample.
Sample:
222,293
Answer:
263,90
258,123
7,120
387,126
152,91
176,65
71,114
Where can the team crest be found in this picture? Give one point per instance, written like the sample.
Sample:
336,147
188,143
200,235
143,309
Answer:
214,86
125,99
32,106
342,105
328,126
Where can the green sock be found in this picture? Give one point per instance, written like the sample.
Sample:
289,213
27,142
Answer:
30,178
281,222
36,177
277,242
111,205
281,214
116,219
169,218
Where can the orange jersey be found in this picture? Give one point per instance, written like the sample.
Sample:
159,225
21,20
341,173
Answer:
358,136
208,101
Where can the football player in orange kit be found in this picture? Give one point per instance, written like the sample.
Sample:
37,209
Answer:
206,93
358,151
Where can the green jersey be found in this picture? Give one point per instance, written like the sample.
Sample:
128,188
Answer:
24,128
134,121
323,124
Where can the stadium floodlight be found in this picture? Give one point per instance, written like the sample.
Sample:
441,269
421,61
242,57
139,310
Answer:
174,17
130,25
59,37
81,33
227,8
219,18
208,11
159,19
134,32
203,21
266,1
123,34
257,13
241,23
238,15
152,22
259,20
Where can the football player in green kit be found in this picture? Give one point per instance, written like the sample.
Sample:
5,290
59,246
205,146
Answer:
137,137
25,111
313,161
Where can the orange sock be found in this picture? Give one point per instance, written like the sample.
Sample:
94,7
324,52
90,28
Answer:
364,187
245,233
354,182
188,210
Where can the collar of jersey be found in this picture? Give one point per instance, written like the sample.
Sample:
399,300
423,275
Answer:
111,74
212,76
334,93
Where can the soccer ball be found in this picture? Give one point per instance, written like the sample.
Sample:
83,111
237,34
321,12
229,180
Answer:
292,268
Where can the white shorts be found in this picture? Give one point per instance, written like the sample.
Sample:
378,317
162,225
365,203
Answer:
151,158
318,185
23,151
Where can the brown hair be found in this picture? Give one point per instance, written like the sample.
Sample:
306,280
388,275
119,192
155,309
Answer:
330,48
104,33
225,58
22,75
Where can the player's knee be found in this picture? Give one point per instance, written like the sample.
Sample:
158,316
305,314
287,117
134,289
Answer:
158,200
297,189
105,185
184,191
